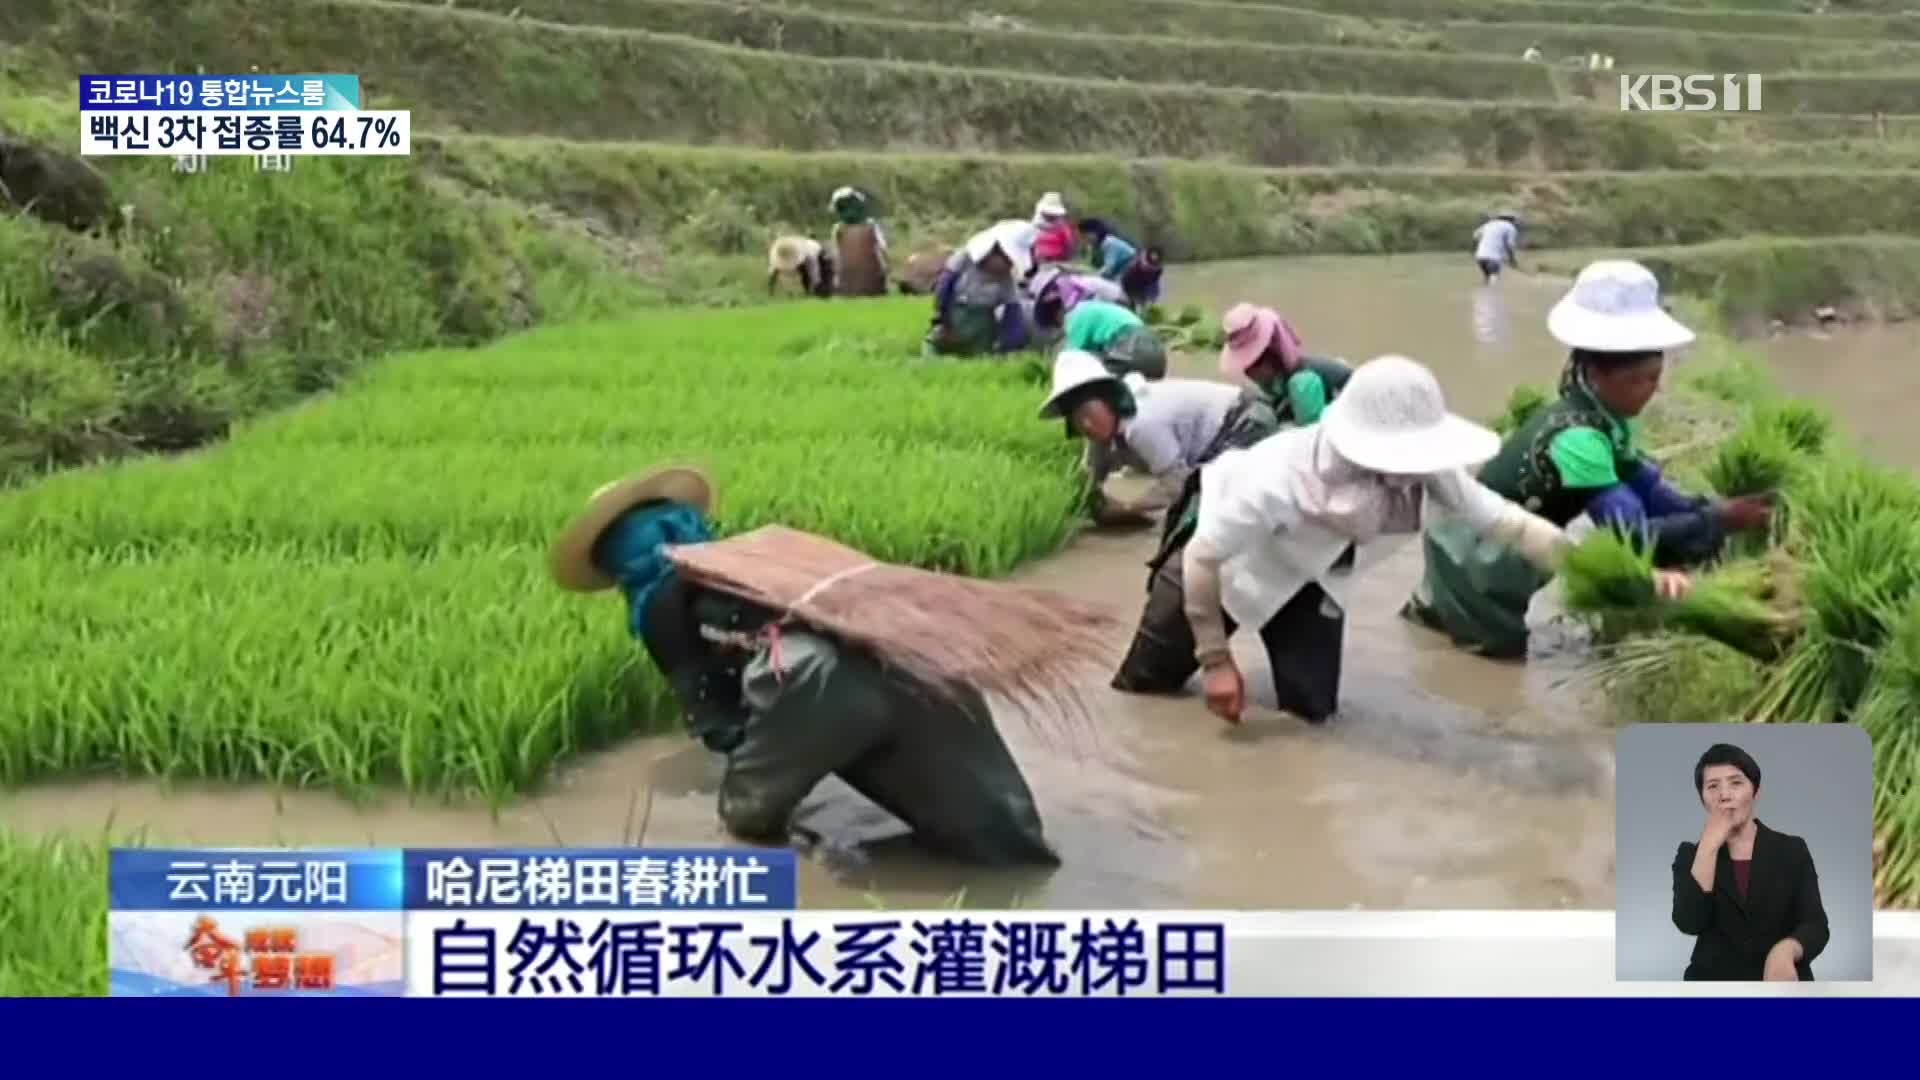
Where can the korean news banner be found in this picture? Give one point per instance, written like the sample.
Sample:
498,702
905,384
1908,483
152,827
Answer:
271,118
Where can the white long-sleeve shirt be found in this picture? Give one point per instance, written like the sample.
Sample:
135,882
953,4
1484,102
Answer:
1496,240
1268,550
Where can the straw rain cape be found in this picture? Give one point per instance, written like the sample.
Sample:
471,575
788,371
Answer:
950,631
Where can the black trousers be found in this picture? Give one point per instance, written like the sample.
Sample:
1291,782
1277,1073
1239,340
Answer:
1302,640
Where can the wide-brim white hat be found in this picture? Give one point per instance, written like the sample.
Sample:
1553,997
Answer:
1073,369
1391,417
1051,205
571,557
1614,306
1015,238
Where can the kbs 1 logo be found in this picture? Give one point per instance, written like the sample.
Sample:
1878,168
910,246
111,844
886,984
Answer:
1690,93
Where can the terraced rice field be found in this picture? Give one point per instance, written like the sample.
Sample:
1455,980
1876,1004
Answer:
1216,129
351,593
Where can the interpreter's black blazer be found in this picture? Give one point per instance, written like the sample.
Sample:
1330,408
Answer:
1733,936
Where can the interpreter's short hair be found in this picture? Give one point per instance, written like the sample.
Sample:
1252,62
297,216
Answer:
1725,754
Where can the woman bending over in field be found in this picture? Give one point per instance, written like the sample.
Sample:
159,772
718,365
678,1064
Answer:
790,707
1578,457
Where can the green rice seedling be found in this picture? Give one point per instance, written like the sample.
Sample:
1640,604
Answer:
1756,460
1890,714
1522,402
354,593
1608,571
1609,575
1806,426
1672,677
1860,542
1726,610
1190,315
1154,315
55,916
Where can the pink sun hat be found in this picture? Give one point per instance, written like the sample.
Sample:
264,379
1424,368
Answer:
1250,330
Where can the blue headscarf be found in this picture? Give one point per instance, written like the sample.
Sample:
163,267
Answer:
631,551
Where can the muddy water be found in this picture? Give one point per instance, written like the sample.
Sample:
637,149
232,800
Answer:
1448,781
1867,375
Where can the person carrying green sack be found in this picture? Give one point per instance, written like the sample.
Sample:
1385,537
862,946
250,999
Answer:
1579,458
859,243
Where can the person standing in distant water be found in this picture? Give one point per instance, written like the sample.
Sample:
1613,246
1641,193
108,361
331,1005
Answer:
860,243
1497,243
1054,242
1747,895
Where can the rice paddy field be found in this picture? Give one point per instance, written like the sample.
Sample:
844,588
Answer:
340,584
354,593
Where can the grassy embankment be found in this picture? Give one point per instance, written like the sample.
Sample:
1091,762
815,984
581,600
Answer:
1177,61
1670,17
1558,39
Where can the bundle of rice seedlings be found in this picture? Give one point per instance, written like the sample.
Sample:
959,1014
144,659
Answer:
1190,315
1755,460
1522,403
1890,713
1832,499
1610,575
1154,315
1804,425
953,633
1723,609
1862,562
1608,571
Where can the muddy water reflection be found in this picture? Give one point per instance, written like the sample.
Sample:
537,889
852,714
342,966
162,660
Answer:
1447,782
1867,375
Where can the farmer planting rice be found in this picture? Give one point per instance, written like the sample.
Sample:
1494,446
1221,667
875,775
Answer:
1056,292
1165,429
976,303
1054,241
797,658
1122,261
1579,458
1495,244
1263,348
860,244
1117,336
1282,527
805,259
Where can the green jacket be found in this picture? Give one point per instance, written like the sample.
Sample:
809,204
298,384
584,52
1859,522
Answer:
1304,395
1553,463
